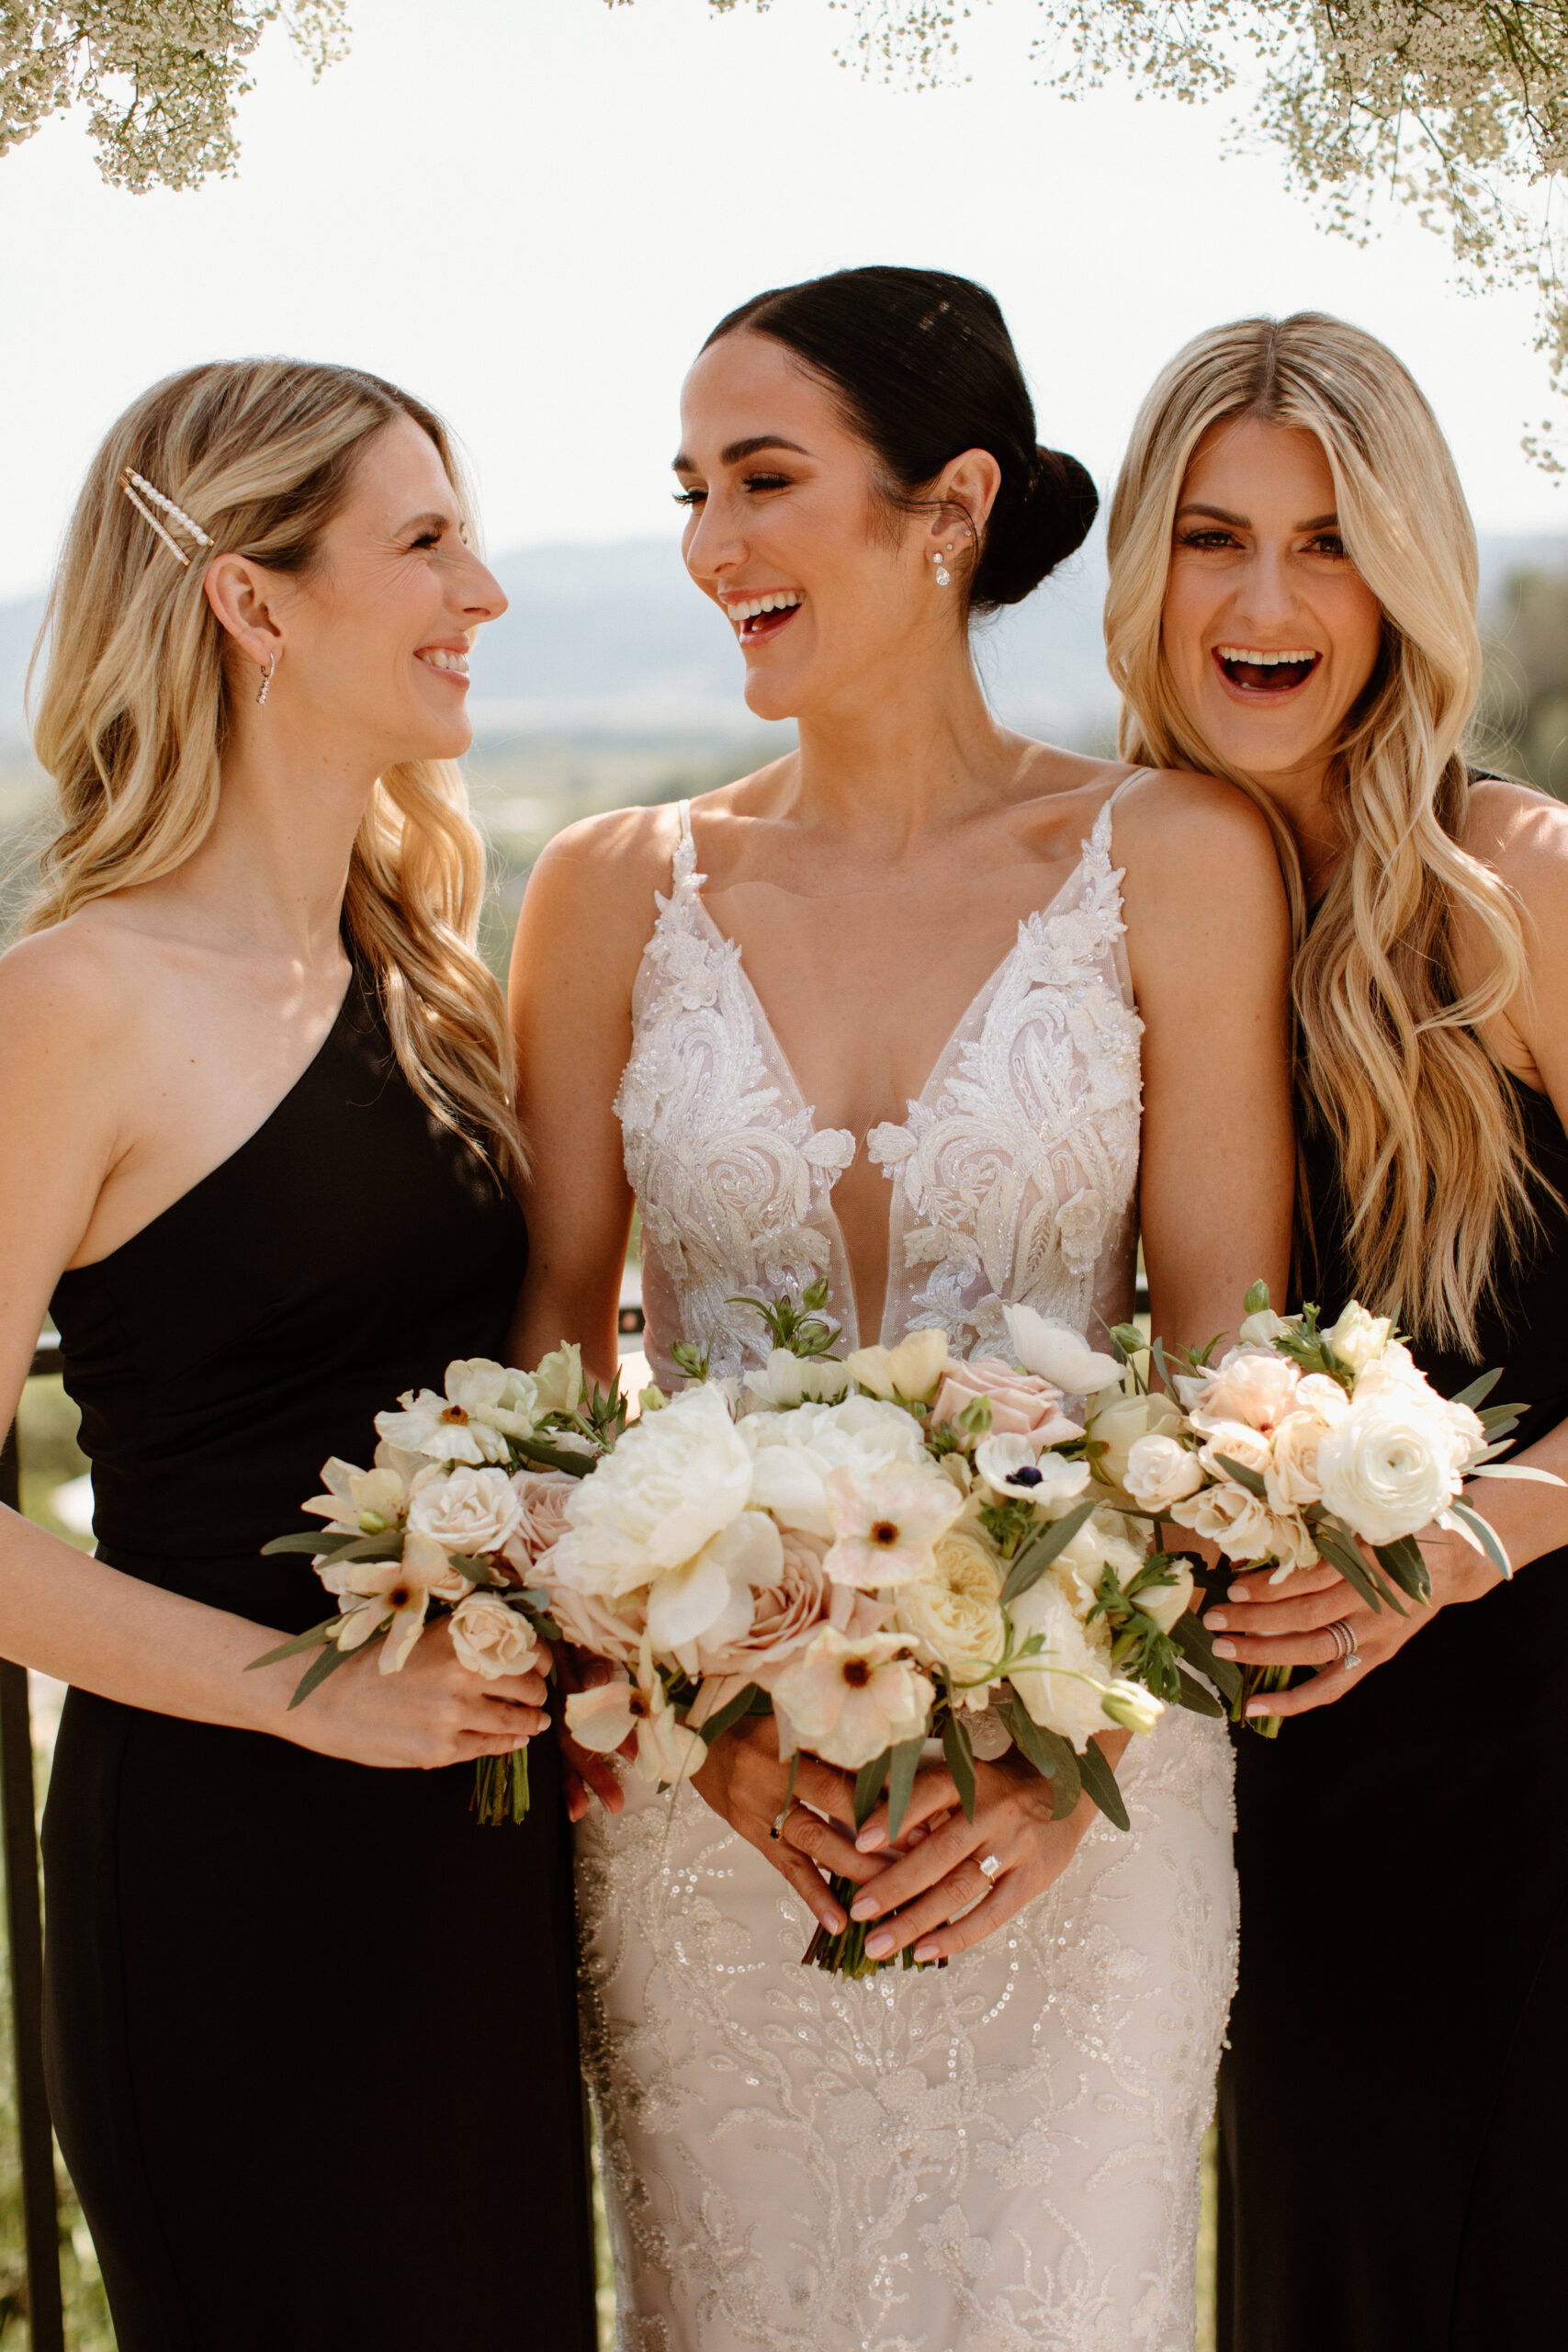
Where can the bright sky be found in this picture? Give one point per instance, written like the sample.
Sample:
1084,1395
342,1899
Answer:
531,211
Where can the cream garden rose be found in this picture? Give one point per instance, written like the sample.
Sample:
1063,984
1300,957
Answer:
953,1617
1117,1422
467,1510
492,1639
1159,1471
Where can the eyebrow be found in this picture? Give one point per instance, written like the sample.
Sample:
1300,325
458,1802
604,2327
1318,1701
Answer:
422,522
737,451
1219,514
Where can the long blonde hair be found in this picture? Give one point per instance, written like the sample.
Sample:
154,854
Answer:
1424,1124
134,710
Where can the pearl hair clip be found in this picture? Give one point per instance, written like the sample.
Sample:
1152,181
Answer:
131,482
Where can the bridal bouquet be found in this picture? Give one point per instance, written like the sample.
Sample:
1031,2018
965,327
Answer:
1303,1444
465,1492
879,1552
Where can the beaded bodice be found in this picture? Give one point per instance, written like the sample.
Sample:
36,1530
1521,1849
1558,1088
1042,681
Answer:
1013,1175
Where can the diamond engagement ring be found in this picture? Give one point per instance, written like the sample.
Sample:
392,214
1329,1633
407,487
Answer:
777,1831
1345,1650
989,1867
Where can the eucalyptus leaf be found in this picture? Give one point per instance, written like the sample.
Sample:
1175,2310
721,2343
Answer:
959,1756
1479,1390
1486,1536
720,1722
1051,1755
1195,1696
901,1782
1342,1552
1100,1782
1251,1479
1403,1562
320,1545
1194,1639
1037,1555
331,1658
301,1642
869,1783
576,1465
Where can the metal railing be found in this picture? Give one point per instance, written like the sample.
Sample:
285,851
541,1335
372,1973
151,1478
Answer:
24,1927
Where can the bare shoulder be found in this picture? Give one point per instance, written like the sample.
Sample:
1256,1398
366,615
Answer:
70,999
1178,827
1524,835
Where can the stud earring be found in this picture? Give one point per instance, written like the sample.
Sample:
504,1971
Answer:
943,575
266,678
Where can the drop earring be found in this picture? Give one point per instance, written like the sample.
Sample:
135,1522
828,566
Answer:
943,576
266,678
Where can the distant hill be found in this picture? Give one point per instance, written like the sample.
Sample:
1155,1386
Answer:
615,641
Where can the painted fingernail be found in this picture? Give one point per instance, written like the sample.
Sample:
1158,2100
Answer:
924,1952
1224,1649
1261,1707
869,1841
878,1947
1237,1592
836,1922
864,1907
1215,1620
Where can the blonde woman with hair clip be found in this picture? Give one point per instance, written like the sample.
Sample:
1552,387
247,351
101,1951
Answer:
257,1157
1293,607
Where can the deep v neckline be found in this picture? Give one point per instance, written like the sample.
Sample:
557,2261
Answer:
687,885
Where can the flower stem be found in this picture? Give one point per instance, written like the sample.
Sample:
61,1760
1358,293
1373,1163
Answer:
501,1789
1256,1679
845,1954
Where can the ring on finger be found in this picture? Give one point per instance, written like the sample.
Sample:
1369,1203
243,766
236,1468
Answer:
780,1818
988,1868
1345,1651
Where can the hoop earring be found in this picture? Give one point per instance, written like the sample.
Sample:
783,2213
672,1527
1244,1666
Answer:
943,575
266,678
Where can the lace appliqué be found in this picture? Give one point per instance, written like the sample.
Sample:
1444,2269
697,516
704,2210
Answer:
1016,1169
732,1182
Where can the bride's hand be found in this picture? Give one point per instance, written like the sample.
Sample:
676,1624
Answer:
1290,1623
586,1774
748,1785
435,1711
918,1893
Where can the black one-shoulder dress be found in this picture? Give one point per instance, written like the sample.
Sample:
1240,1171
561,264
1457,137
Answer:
311,2028
1393,2173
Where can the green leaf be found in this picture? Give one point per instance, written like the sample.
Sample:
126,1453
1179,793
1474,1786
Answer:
959,1756
328,1663
1195,1696
313,1640
1036,1556
901,1782
576,1465
1502,1420
1251,1479
718,1723
1403,1562
320,1545
1051,1755
1341,1549
1194,1639
1488,1538
1100,1782
1479,1390
869,1783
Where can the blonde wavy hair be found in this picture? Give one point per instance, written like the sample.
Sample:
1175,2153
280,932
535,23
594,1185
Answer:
134,709
1423,1121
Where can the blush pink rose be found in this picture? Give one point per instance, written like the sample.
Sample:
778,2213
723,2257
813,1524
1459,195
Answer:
785,1614
542,1495
1258,1389
1023,1404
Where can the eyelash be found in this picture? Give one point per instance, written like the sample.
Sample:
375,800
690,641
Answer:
1327,543
753,483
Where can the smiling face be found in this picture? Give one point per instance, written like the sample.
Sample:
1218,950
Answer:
1269,631
830,590
375,633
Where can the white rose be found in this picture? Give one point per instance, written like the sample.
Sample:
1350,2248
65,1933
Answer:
1290,1475
1244,1527
797,1452
675,1478
1249,1386
492,1639
1063,1691
1117,1422
1232,1442
1358,1339
1388,1467
1160,1472
955,1618
471,1511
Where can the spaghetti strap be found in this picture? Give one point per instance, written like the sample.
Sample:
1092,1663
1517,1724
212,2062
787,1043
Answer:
1100,836
686,848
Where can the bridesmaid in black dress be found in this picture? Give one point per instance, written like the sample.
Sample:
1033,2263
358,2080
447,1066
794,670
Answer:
1292,603
311,2028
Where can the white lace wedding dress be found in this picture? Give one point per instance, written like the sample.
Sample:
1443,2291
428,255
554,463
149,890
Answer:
1001,2155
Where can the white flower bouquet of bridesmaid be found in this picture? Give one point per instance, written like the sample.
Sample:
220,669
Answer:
467,1490
879,1552
1303,1444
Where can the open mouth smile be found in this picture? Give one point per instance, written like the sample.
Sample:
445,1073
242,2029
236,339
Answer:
758,618
1262,675
447,661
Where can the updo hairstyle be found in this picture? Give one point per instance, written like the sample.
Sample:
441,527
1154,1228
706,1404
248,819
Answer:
923,367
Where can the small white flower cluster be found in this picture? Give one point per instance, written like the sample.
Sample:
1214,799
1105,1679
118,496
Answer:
849,1543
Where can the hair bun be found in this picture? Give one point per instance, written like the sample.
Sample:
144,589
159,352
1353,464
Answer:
1032,528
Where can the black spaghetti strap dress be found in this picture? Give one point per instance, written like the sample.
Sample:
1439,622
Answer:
311,2031
1394,2167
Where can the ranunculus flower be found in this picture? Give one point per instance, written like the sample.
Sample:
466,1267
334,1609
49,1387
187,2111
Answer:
675,1478
393,1593
471,1511
1159,1472
542,1497
492,1639
1022,1405
557,1383
1058,1353
1063,1691
1117,1421
954,1618
911,1369
790,1380
796,1451
359,1502
1244,1527
885,1523
1008,1465
1387,1468
846,1699
1358,1339
484,1403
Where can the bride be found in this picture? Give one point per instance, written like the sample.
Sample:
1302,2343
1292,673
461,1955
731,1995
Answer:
949,1016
